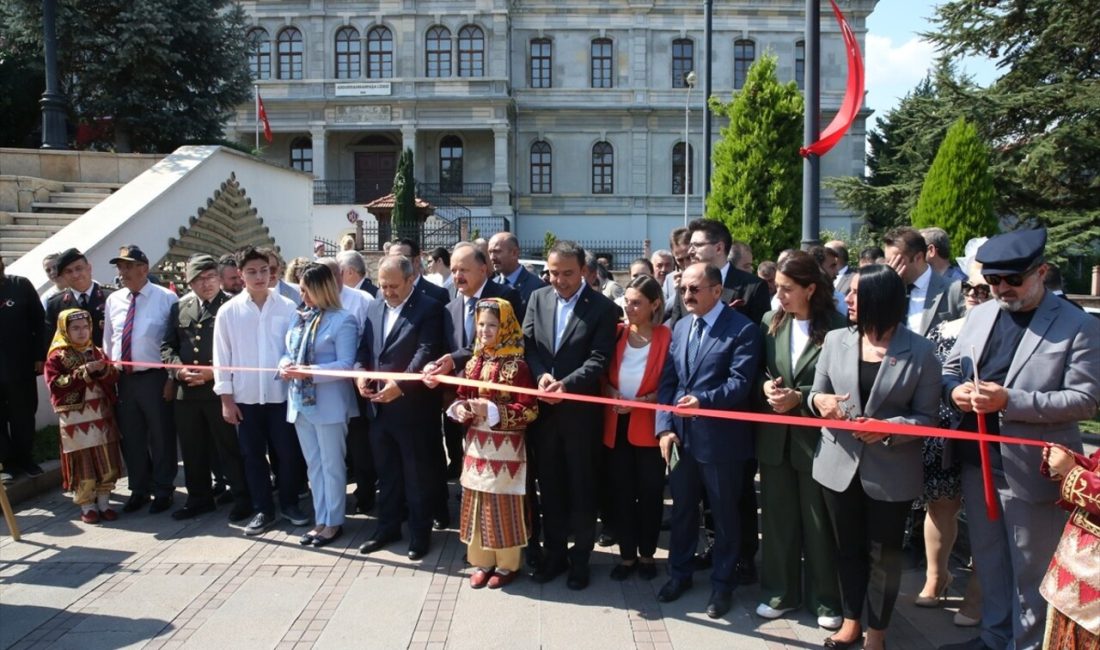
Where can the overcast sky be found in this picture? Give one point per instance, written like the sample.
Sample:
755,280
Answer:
897,58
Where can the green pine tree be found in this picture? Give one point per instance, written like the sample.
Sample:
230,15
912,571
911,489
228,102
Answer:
404,198
757,178
957,194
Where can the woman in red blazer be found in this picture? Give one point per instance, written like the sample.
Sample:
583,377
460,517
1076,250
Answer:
636,469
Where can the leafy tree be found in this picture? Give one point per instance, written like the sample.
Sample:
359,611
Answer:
1041,114
957,194
757,177
21,84
159,72
404,198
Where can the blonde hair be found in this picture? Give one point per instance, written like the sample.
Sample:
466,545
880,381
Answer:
323,288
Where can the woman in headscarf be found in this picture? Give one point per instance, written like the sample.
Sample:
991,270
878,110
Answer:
81,381
494,469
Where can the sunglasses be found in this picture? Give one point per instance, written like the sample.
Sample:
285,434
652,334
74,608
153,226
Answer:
693,288
1014,280
980,290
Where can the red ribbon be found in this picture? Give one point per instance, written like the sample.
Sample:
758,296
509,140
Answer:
992,506
853,95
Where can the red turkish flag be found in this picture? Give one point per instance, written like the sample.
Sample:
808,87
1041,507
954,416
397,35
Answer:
262,115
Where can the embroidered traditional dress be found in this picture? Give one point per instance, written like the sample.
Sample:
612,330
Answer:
1072,583
494,471
91,459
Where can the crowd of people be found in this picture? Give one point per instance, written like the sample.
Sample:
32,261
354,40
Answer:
258,382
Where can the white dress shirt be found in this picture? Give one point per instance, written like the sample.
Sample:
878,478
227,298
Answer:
563,311
391,316
249,336
150,322
916,300
356,302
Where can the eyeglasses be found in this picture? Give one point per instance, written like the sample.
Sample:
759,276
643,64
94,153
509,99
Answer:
980,290
1014,280
693,288
699,244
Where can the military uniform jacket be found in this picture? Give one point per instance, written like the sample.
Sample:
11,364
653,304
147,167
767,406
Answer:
97,305
189,339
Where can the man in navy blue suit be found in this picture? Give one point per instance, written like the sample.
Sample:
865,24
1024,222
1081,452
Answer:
712,363
403,333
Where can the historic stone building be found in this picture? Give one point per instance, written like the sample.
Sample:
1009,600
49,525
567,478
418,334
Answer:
565,116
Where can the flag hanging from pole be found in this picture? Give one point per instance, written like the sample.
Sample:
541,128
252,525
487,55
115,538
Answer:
261,115
853,96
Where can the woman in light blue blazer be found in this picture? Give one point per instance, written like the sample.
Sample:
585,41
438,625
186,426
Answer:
324,337
878,370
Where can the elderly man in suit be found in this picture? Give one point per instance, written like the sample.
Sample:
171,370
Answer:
403,333
504,256
906,252
82,292
569,336
353,272
189,340
712,363
411,250
1038,367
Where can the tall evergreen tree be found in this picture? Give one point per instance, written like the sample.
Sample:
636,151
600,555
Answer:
404,198
757,177
957,194
160,72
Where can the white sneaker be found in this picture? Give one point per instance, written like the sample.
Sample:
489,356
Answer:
829,622
763,610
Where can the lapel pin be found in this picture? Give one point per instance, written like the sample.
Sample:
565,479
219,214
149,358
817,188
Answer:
893,361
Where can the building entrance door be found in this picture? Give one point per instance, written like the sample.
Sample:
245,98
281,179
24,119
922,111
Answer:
374,171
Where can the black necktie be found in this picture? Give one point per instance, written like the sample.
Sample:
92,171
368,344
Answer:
83,301
909,288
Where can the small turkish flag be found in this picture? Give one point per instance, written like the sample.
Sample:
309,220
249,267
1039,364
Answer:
262,115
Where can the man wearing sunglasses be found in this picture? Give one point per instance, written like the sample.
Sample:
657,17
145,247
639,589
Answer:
1029,363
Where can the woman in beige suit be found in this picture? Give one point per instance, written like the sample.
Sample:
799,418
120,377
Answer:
878,370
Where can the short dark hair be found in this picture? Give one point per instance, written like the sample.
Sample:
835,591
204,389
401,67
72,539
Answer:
679,236
414,248
568,248
908,239
246,254
883,291
937,238
647,263
1053,279
651,289
715,231
871,254
440,253
840,248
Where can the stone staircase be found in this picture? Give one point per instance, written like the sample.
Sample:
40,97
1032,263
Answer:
22,231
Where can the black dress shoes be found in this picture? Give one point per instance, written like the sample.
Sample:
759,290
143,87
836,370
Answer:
549,570
647,570
364,506
135,502
578,577
720,603
441,523
378,543
417,552
532,555
159,505
189,511
673,589
703,561
623,571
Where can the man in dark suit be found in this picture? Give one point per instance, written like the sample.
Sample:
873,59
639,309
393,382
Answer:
83,292
403,333
353,272
569,335
927,291
202,431
504,256
411,250
21,323
712,363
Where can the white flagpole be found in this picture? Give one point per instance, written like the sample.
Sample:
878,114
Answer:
256,97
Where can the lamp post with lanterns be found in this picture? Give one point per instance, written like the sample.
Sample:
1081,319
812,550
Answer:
689,82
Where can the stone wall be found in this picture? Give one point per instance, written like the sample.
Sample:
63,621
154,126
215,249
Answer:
75,166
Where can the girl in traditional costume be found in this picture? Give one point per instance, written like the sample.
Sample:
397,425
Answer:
494,471
81,381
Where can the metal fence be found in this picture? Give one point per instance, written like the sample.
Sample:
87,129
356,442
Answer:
337,192
619,253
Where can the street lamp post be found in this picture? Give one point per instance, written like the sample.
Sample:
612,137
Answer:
52,102
689,81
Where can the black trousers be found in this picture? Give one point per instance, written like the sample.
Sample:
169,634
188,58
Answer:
747,510
263,430
363,471
868,536
203,433
148,433
18,402
566,446
406,464
637,484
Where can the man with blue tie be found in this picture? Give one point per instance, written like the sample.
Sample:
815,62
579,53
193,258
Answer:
712,363
504,256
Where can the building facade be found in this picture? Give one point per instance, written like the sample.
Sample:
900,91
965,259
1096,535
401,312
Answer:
565,116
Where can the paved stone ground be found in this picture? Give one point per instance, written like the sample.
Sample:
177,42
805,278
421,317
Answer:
148,581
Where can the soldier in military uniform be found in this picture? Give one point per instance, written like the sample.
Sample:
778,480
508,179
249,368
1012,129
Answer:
202,431
83,292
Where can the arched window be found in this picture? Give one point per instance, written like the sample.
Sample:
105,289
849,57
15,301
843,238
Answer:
541,63
678,177
601,63
348,52
450,165
471,51
259,53
541,167
301,154
380,53
683,61
290,53
603,168
800,64
744,53
438,51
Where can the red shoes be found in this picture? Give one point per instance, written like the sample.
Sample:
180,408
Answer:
90,517
108,515
481,577
500,580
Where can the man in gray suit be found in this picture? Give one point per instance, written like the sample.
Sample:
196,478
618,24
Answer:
1038,364
906,252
